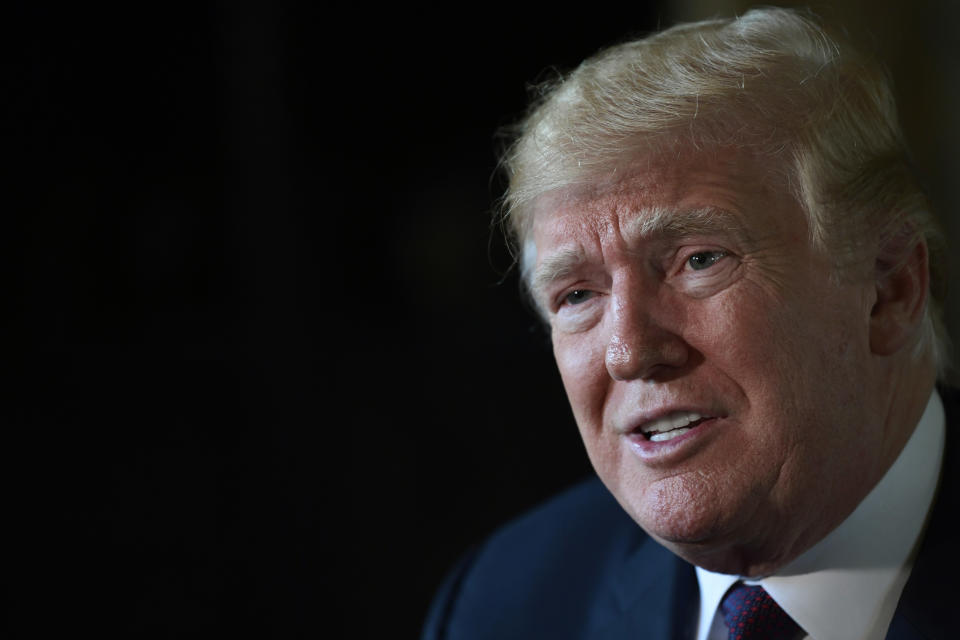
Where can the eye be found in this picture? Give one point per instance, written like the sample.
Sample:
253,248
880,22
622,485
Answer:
705,259
578,297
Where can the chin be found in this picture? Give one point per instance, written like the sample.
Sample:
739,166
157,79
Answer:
687,517
701,542
707,537
675,527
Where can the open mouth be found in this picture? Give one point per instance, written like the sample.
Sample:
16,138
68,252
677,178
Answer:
671,425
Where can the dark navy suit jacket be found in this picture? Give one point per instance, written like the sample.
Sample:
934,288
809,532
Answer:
579,567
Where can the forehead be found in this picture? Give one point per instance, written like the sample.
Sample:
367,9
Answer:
668,193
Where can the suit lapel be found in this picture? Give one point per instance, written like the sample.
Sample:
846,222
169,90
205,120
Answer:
657,596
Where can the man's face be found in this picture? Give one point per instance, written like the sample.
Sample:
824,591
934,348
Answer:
718,373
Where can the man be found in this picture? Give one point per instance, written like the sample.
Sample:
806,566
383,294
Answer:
720,226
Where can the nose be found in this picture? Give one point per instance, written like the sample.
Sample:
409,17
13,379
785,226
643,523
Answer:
643,342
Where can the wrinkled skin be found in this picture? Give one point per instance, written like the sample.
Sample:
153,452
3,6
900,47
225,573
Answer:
690,284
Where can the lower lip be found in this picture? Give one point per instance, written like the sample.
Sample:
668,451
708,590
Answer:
666,451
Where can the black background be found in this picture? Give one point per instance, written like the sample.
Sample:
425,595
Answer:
272,373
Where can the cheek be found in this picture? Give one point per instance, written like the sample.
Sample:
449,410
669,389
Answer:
584,375
580,362
736,337
798,374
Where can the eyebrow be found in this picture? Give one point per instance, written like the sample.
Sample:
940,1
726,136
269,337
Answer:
684,222
553,268
660,221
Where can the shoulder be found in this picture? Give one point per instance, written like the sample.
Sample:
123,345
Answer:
565,534
543,575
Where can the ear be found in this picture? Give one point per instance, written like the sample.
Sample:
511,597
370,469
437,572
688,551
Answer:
903,281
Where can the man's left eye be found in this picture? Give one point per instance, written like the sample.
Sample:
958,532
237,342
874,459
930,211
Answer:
704,259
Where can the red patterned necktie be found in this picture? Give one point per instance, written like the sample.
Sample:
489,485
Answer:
751,614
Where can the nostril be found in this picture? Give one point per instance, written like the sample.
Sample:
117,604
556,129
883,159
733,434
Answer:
645,362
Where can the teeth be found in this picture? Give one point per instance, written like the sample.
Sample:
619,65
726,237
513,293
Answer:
671,422
669,435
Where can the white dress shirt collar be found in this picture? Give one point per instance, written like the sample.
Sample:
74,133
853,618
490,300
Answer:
848,584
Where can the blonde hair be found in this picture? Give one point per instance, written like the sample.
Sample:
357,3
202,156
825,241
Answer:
772,82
